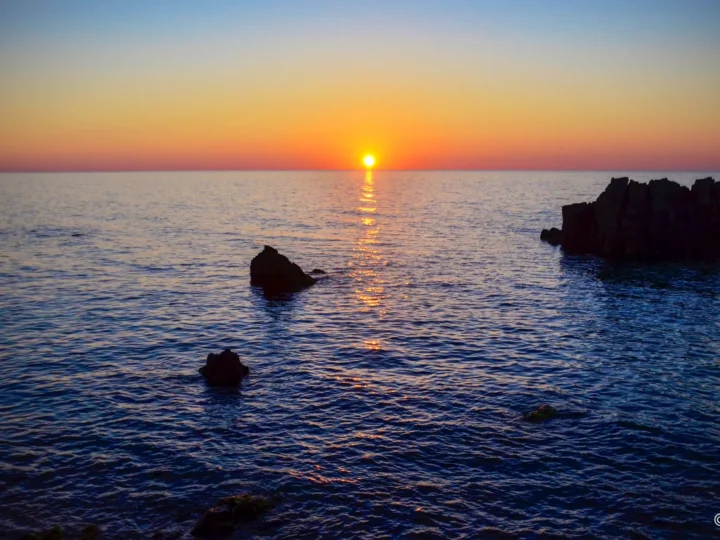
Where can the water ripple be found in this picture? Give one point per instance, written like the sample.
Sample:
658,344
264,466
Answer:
386,401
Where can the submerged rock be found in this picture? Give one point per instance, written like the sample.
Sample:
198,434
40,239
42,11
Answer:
276,273
163,535
228,513
552,236
318,271
660,220
56,533
224,369
91,532
541,414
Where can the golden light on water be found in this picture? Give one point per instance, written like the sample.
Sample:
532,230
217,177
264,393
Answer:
367,255
369,161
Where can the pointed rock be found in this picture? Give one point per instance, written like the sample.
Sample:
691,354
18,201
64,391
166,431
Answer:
276,273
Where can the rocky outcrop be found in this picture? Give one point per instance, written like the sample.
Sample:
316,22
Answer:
229,513
661,220
276,273
224,369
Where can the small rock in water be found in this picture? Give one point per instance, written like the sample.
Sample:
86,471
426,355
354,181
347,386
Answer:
541,414
229,513
276,273
318,271
224,369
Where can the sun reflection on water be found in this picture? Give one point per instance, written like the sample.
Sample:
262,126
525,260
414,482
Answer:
367,257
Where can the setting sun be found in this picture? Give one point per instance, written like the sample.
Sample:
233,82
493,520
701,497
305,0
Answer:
369,160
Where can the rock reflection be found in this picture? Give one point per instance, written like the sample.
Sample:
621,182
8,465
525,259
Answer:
367,256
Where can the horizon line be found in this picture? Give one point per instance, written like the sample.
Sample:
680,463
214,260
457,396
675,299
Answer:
94,171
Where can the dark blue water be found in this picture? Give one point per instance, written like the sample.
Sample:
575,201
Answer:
386,401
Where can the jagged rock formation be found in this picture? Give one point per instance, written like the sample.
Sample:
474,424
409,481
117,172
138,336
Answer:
276,273
661,220
224,369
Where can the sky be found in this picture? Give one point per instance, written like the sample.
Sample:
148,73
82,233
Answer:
507,84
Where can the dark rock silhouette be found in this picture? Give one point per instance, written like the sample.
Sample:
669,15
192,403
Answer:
229,513
276,273
224,369
56,533
541,414
552,236
90,532
661,220
318,271
164,535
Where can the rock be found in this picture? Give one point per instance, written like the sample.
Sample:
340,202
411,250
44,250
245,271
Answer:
552,236
55,533
661,220
633,236
318,271
578,228
163,535
541,414
228,513
91,532
705,195
224,369
607,210
276,273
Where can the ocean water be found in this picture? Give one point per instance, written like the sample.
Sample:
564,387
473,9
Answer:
384,402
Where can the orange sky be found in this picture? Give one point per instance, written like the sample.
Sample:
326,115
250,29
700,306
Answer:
317,90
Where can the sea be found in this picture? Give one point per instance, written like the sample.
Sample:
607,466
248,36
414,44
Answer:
384,402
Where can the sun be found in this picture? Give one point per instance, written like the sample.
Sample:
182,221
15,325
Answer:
369,160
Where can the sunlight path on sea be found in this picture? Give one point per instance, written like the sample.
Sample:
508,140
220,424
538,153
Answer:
368,257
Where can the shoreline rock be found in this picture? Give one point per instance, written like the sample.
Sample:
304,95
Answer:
224,369
660,220
276,273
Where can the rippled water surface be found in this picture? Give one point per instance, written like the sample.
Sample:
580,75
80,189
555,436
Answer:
384,402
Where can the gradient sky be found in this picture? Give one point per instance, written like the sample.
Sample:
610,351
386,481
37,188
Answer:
507,84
